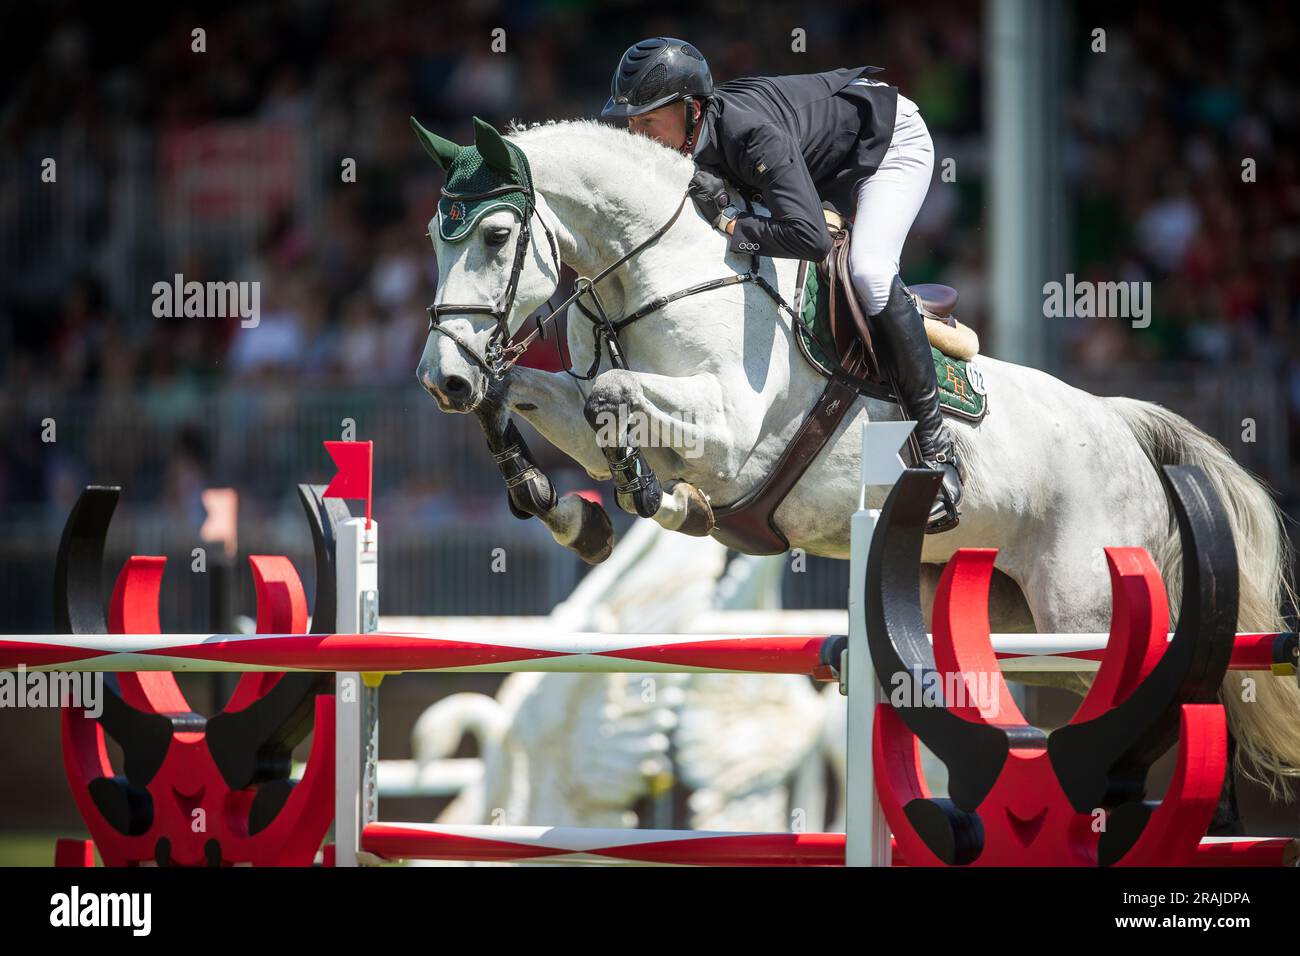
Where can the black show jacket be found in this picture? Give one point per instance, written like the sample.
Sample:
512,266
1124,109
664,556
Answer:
795,140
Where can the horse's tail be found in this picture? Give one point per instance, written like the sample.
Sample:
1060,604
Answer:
1265,717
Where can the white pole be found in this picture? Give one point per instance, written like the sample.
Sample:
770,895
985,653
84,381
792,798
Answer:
865,829
356,706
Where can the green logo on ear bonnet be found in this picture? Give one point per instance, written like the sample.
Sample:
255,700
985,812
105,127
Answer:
470,175
489,165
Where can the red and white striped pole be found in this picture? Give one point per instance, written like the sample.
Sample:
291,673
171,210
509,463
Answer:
510,844
571,652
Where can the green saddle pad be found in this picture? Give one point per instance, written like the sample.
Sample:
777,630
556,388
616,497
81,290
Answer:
961,387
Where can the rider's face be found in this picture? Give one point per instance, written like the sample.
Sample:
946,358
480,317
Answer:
666,124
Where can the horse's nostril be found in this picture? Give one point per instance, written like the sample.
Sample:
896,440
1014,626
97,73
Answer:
457,388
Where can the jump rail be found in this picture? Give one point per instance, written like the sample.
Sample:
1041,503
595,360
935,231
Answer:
397,653
509,844
815,656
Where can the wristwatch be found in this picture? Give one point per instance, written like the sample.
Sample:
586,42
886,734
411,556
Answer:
730,214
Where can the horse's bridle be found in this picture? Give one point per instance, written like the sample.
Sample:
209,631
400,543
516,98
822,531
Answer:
500,356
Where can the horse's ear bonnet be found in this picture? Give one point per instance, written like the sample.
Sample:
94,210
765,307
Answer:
477,178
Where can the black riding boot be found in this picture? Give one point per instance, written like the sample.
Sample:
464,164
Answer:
910,361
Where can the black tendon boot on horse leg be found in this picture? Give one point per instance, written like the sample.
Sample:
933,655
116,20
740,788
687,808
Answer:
636,489
911,364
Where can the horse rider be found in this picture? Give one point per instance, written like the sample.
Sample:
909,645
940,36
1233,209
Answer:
798,140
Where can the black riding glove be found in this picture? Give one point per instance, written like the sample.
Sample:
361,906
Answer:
709,193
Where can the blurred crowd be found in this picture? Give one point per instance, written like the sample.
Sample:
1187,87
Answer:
1183,172
1157,129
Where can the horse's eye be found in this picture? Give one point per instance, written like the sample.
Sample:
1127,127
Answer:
496,235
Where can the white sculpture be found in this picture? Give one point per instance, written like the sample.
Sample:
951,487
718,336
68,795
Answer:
582,749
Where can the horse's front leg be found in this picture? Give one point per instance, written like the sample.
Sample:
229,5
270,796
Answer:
553,404
574,522
682,419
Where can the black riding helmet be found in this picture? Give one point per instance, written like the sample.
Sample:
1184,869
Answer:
656,72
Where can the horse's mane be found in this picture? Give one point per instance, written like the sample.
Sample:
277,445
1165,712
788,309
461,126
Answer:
628,152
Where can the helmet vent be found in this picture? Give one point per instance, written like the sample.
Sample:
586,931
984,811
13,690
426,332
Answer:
651,88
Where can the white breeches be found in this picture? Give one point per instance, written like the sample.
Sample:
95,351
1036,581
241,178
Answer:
887,204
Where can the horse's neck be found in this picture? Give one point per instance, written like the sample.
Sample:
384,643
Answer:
601,215
606,201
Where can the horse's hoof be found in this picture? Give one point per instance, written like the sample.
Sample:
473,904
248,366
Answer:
942,520
594,541
698,521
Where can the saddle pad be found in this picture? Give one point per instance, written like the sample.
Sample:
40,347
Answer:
961,387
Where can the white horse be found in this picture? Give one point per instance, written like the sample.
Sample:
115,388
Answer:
1053,474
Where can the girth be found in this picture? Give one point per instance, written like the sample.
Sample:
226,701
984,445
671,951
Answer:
749,524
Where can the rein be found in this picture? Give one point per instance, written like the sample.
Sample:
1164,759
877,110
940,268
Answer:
606,331
587,286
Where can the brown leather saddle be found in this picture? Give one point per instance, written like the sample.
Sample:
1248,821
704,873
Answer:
847,319
749,524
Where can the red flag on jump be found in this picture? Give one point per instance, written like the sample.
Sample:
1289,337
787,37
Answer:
354,479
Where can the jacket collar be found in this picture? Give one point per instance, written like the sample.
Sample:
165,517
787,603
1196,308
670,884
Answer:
704,140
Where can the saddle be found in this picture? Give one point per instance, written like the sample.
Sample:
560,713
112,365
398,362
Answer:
847,317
